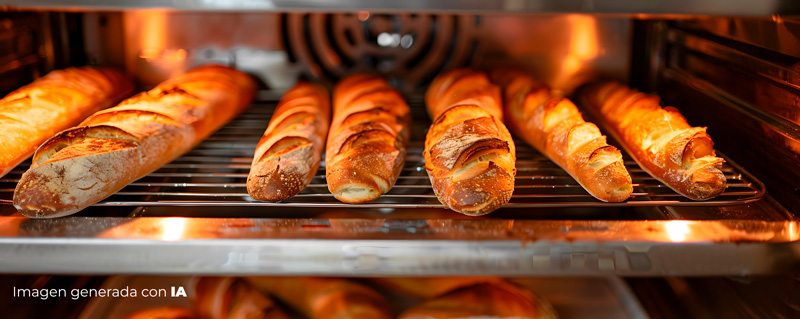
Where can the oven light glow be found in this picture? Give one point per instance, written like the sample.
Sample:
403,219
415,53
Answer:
677,230
794,233
363,16
172,228
388,39
583,47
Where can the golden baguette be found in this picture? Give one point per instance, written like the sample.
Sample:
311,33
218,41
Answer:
555,127
430,287
326,298
59,100
83,165
231,297
288,155
659,139
166,312
499,300
367,140
469,153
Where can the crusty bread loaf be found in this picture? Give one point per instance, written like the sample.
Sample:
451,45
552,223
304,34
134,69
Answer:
469,153
555,127
430,287
167,312
659,139
57,101
326,298
288,155
367,140
231,297
489,300
83,165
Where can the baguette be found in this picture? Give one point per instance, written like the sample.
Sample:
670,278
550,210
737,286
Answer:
57,101
288,155
326,298
659,139
555,127
469,153
166,312
498,300
230,297
83,165
430,287
368,138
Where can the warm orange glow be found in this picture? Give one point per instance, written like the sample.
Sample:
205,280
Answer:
583,46
363,16
583,39
677,230
172,228
794,233
154,31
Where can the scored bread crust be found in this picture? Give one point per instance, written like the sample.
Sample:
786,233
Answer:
232,297
659,139
288,155
326,298
61,99
85,164
469,153
367,141
164,312
555,127
497,299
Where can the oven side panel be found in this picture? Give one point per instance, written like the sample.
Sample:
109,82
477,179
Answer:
739,77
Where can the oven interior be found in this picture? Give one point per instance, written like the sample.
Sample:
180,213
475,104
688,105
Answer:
674,257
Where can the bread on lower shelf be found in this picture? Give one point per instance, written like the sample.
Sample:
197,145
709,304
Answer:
326,298
231,297
166,312
500,300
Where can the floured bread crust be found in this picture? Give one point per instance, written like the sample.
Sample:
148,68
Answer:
367,142
57,101
660,139
555,127
289,153
469,153
112,148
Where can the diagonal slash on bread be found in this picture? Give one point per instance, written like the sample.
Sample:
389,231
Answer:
83,165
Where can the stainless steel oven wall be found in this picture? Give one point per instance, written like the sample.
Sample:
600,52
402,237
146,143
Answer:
21,48
740,77
411,48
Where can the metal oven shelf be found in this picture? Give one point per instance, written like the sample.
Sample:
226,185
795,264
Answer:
422,241
215,174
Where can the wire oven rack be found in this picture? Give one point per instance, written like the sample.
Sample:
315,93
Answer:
215,172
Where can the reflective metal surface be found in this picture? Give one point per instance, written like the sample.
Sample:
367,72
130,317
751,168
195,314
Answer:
778,33
395,247
409,49
741,80
572,298
702,7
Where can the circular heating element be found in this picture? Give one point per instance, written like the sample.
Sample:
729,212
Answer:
409,49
